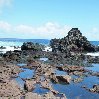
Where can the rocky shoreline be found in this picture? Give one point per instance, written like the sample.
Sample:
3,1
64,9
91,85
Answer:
67,56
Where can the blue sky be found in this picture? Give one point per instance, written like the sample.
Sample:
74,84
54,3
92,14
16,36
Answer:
48,18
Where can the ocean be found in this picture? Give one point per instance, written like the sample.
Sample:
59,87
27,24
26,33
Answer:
9,43
19,42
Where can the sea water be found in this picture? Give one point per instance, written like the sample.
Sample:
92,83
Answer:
15,44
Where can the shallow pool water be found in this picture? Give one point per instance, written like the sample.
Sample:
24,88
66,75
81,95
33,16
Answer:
21,64
75,90
20,82
95,67
27,73
58,72
72,90
40,90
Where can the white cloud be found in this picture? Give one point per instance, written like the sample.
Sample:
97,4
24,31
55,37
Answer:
92,34
23,29
4,26
5,3
95,30
48,30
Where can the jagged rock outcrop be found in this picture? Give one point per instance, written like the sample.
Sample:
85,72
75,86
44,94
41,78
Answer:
32,46
74,41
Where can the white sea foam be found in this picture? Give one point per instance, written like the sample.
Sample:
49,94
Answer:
48,49
93,54
9,48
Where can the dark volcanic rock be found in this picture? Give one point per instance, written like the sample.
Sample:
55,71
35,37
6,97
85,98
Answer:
74,41
9,55
31,46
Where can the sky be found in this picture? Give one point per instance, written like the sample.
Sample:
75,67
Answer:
47,19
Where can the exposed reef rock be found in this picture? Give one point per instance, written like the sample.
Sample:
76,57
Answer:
74,41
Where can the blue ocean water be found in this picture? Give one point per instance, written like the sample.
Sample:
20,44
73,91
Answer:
19,42
95,43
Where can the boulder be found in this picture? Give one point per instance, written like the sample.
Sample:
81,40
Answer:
31,46
95,88
29,85
63,78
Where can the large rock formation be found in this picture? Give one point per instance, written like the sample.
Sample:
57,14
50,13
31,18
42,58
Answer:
74,41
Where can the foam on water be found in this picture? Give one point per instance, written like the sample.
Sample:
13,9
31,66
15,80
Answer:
93,54
9,48
47,49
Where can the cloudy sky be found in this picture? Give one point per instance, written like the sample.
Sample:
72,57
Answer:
48,18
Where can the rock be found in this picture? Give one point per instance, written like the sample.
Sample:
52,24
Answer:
29,85
92,59
2,47
45,84
95,88
73,68
78,73
10,89
63,78
49,95
31,95
53,78
74,41
77,80
31,46
12,55
8,70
